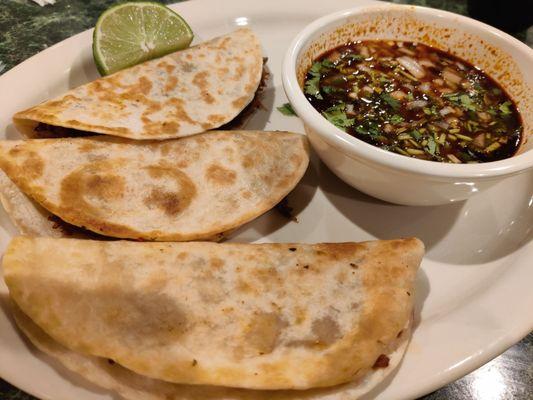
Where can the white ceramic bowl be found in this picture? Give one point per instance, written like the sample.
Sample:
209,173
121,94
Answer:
393,177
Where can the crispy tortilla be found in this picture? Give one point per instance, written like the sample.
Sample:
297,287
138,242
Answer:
188,189
28,217
131,386
268,316
181,94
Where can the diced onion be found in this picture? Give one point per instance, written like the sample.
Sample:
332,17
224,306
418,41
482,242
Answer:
424,87
426,63
453,159
416,104
349,109
483,116
446,110
407,51
479,140
364,68
412,66
398,95
451,77
442,124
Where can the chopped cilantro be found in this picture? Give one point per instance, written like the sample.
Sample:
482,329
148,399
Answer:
327,64
396,119
331,89
492,111
312,86
286,109
496,91
391,101
415,134
431,147
371,128
315,68
504,108
431,111
467,102
462,100
337,116
354,57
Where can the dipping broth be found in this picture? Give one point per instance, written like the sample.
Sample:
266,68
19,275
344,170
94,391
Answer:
414,100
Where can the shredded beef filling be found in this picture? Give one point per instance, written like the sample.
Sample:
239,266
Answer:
381,362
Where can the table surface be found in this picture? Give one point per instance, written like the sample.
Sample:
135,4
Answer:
28,29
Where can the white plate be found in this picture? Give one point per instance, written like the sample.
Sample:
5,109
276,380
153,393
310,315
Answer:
474,296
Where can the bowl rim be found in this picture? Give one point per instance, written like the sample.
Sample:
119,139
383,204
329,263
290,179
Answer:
356,148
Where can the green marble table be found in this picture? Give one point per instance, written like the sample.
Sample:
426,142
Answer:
26,29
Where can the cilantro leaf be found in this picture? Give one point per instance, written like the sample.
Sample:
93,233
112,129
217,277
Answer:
396,119
431,110
431,147
391,101
415,134
337,116
312,86
462,100
371,128
354,57
467,102
286,109
331,89
315,69
504,108
327,64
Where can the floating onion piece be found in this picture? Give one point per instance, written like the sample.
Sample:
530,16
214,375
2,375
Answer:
411,65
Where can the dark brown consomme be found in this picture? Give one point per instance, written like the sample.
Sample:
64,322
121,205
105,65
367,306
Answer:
414,100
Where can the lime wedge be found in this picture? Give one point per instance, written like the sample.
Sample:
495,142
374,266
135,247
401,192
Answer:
130,33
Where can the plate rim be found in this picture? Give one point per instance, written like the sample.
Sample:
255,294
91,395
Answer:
497,347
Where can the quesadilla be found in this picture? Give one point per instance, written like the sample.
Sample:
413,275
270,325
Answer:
254,316
193,188
181,94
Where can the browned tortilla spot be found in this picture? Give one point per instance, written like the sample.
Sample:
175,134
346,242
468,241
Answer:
240,102
215,118
220,175
200,80
105,187
172,82
169,202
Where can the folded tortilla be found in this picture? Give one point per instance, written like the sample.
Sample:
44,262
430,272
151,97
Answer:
193,188
109,375
183,93
28,217
267,316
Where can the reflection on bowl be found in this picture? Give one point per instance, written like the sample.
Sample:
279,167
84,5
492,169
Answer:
393,177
